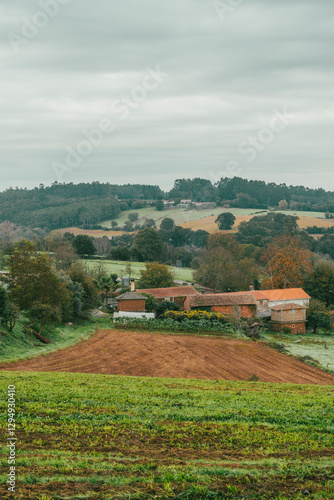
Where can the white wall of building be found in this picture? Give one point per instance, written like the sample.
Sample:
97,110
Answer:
139,315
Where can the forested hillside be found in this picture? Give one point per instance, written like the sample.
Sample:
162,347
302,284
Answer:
244,193
64,205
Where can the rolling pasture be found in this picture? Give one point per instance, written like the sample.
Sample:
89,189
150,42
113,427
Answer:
205,219
118,266
97,437
198,219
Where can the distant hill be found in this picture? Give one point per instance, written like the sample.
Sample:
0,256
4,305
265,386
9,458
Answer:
64,205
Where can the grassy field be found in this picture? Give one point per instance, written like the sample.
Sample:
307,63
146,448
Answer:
318,347
117,267
179,215
205,219
106,437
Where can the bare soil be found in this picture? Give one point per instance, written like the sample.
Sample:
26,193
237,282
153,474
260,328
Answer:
115,352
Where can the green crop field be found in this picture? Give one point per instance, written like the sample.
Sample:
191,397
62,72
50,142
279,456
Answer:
117,267
105,437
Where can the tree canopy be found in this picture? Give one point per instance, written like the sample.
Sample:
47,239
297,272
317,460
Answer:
148,245
156,276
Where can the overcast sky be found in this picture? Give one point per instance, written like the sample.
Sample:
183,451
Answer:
172,89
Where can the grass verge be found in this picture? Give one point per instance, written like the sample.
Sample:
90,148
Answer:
20,344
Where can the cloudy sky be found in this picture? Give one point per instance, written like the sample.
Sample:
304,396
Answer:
149,91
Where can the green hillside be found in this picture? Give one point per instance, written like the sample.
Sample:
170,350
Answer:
117,266
179,215
93,437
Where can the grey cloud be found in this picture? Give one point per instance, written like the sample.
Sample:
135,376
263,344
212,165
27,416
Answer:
225,80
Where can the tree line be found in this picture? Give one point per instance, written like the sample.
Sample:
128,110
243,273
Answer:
63,205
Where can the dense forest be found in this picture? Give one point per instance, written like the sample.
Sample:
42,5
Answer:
63,205
245,193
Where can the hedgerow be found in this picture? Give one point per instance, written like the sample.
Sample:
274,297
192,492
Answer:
196,315
170,325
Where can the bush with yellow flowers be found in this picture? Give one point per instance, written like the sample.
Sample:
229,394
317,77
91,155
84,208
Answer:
196,315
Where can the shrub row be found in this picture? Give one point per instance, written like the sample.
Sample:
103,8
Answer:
195,315
170,325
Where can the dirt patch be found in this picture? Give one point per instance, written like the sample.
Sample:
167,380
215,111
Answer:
115,352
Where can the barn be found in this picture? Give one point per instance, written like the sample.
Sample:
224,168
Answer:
235,305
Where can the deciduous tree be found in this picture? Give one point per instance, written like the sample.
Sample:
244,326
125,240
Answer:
33,283
83,245
148,245
225,221
320,284
156,276
167,224
286,263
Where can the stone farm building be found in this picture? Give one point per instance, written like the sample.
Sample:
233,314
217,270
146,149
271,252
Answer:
235,305
267,299
177,294
292,316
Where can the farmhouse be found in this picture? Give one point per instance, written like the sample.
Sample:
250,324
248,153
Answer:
131,301
177,294
287,296
266,299
132,305
236,305
291,316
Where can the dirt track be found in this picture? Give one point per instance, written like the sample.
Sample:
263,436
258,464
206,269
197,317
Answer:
157,355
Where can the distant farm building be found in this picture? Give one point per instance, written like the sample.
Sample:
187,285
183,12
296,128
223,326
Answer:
266,299
131,301
205,205
235,305
132,305
177,294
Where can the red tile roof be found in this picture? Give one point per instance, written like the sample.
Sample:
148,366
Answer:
174,291
285,294
282,294
222,299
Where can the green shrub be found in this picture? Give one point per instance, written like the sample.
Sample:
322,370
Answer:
170,325
166,306
319,319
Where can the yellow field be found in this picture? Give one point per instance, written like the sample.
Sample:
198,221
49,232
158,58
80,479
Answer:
305,222
208,223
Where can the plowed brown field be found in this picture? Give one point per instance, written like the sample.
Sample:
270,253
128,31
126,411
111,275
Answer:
176,356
